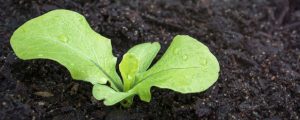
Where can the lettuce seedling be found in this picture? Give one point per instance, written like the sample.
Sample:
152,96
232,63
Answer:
66,37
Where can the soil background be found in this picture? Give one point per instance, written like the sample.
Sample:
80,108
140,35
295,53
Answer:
257,43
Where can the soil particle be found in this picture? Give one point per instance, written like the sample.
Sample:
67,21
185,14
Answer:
43,94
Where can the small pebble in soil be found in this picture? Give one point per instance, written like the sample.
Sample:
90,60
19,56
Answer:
41,103
44,94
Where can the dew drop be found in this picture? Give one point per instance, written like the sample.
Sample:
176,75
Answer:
63,38
204,65
204,62
81,19
185,57
176,51
129,77
24,30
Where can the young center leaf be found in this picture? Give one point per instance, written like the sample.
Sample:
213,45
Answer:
187,67
145,53
134,62
128,68
66,37
137,60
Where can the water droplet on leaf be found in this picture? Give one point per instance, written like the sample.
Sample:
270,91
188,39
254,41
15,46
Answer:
176,51
129,77
203,62
81,19
63,38
204,65
185,57
23,30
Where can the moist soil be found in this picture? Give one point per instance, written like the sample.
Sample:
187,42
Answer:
256,42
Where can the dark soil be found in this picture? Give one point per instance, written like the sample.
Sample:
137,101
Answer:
257,44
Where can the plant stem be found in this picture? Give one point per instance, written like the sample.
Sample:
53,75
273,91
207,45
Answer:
127,102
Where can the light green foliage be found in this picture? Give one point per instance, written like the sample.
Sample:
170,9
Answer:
65,36
129,68
187,67
136,61
145,53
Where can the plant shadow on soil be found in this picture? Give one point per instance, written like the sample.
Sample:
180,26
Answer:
256,42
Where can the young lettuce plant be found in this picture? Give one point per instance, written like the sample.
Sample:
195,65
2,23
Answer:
66,37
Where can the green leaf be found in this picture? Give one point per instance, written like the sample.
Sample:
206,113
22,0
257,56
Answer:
187,67
137,60
109,95
128,68
145,53
66,37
